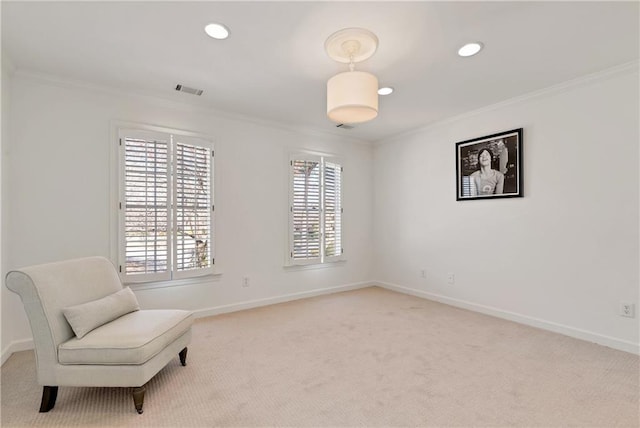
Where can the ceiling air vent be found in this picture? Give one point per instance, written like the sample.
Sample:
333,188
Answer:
188,90
344,126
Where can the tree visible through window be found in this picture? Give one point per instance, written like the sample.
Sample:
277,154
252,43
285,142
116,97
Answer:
166,206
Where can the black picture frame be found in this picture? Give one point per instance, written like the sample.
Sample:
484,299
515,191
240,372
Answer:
501,178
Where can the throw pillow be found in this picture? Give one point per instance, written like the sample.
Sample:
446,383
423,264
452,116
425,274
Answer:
88,316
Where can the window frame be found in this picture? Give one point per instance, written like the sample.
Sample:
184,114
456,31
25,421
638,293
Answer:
322,259
172,275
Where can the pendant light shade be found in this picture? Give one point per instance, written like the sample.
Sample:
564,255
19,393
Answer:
352,97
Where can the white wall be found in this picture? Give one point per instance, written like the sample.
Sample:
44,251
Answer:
562,257
60,206
4,112
9,302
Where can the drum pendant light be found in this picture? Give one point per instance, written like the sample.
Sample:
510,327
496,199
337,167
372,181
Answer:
352,96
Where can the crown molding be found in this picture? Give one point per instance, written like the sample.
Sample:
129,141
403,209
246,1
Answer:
622,69
619,70
177,105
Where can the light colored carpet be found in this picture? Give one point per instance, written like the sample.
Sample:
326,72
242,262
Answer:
369,357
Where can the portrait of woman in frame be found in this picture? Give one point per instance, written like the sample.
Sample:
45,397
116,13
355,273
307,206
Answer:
490,166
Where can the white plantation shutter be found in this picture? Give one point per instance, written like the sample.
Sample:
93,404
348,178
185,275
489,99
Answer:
165,207
305,210
332,210
145,210
193,209
315,211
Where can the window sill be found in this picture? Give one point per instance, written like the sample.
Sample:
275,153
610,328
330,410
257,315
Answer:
333,264
198,280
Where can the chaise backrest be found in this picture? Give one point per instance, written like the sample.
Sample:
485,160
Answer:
48,288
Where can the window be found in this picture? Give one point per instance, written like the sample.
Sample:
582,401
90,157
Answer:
315,210
166,206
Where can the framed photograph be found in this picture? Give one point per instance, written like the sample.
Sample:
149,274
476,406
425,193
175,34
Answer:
490,167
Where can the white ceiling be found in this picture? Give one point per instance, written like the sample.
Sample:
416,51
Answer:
274,67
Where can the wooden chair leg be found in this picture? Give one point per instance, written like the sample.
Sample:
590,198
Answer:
183,357
49,395
138,397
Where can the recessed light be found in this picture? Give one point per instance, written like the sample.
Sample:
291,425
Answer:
217,31
385,91
470,49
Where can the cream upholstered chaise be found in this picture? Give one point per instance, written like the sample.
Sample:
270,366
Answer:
125,351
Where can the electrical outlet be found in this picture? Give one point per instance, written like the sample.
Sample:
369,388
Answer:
245,281
451,278
627,309
423,273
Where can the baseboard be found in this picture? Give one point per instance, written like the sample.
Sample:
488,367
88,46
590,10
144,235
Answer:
16,346
622,345
611,342
26,344
233,307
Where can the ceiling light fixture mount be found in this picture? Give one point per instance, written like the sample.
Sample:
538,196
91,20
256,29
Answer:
352,96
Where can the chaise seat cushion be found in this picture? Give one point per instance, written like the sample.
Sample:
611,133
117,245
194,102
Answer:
132,339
